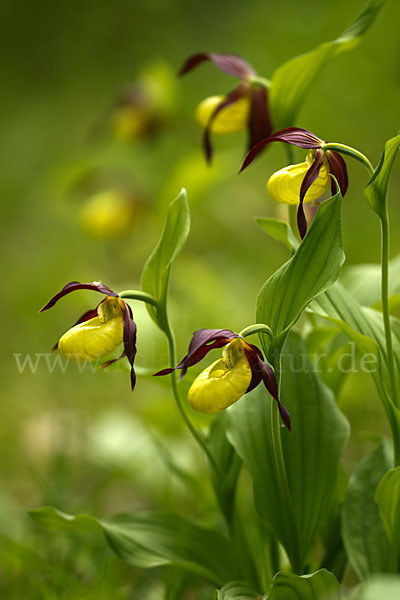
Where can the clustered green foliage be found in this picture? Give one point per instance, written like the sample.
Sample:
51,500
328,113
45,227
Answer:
266,513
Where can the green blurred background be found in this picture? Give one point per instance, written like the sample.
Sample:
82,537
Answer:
83,441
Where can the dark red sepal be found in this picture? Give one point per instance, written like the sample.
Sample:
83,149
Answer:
129,339
201,343
269,379
259,126
96,286
229,63
309,178
291,135
338,168
230,98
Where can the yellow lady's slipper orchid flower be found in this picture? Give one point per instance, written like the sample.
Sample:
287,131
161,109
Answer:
223,382
307,181
233,117
97,337
244,107
101,330
284,185
240,370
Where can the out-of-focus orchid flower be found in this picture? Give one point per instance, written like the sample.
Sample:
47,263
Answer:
244,107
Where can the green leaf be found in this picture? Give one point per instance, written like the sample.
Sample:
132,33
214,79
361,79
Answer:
237,590
157,270
278,230
388,499
364,281
292,80
365,327
363,533
311,451
148,540
229,464
334,558
376,189
312,269
321,585
328,347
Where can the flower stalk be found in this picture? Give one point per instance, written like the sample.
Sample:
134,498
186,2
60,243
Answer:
175,392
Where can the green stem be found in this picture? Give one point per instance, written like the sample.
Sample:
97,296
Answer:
260,81
349,151
195,434
281,467
257,328
143,297
385,303
138,295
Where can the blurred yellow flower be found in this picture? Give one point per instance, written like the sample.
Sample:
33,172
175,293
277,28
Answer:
107,214
130,123
223,382
233,117
284,185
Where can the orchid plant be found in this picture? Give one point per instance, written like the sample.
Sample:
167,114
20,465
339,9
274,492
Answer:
305,527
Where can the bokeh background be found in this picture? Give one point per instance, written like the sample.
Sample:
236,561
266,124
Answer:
83,441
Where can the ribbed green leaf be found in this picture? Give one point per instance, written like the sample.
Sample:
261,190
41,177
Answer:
388,499
376,189
229,464
148,540
363,533
156,272
328,347
278,230
311,451
292,80
237,590
364,281
365,327
312,269
321,585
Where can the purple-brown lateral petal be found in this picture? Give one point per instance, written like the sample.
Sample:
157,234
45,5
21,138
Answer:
254,356
229,63
338,168
96,286
254,152
309,178
130,340
269,380
201,343
229,99
260,126
107,363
